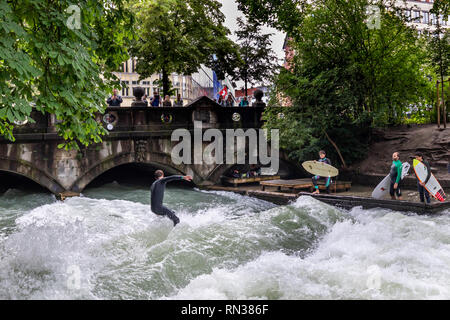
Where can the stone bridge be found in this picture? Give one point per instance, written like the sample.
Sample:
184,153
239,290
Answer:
136,135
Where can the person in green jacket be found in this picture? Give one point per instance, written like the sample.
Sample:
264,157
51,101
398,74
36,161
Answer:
396,177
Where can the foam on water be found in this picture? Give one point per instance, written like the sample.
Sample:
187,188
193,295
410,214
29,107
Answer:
226,247
376,255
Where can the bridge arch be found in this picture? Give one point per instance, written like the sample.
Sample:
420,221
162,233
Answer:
116,161
27,170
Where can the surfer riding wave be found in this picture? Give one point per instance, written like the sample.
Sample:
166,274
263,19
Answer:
157,195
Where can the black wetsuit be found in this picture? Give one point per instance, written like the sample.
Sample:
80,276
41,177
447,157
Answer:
396,177
157,196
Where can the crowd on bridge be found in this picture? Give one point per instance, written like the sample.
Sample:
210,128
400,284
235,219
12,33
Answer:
115,100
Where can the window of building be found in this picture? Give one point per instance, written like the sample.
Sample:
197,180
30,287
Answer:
416,16
407,13
125,89
433,19
426,17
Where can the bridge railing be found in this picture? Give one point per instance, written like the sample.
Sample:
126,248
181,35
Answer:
155,120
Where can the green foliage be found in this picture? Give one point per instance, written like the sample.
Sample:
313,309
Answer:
160,84
346,77
303,138
46,61
281,14
258,61
180,35
439,42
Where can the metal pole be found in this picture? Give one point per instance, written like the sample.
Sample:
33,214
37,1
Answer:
445,106
438,105
444,116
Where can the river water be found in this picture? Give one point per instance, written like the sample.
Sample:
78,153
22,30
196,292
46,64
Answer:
106,244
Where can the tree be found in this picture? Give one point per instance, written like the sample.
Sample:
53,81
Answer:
258,60
180,35
346,77
281,14
52,56
439,44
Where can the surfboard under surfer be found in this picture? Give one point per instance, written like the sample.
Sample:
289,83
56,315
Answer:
324,159
157,195
396,177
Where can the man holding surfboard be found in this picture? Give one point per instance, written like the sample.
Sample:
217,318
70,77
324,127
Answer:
396,177
423,193
323,159
430,183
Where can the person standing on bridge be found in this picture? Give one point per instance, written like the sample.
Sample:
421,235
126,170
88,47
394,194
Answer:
167,102
157,195
115,100
155,101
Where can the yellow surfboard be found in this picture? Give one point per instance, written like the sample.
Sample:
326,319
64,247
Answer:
432,186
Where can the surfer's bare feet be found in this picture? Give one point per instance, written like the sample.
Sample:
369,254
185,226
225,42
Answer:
316,192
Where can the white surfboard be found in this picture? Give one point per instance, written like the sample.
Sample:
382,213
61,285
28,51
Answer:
433,186
320,169
382,189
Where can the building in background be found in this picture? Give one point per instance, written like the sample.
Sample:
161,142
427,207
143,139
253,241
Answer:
190,87
421,18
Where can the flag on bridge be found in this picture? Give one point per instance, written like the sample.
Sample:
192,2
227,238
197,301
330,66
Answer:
224,92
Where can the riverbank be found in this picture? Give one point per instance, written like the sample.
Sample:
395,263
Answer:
428,139
358,195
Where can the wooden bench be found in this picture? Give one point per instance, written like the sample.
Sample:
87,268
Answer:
296,184
289,184
236,181
341,186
